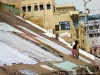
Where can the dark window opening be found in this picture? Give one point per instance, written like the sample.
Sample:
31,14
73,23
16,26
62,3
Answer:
35,8
56,27
48,6
83,41
90,27
98,34
54,9
24,9
41,7
97,27
81,31
29,8
91,35
85,28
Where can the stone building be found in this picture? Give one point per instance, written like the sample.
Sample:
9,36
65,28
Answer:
59,19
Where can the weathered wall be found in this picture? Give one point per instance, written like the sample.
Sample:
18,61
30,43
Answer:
52,20
48,18
66,9
41,13
11,8
82,36
36,20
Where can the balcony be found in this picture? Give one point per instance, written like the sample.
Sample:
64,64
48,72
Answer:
93,31
75,13
93,22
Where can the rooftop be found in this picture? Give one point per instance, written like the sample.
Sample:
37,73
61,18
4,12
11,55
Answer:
64,5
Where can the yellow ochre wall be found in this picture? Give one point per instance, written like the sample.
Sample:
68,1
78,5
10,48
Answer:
49,18
51,21
82,36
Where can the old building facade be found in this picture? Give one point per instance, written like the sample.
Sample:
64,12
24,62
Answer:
60,19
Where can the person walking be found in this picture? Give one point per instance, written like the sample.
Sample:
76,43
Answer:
94,48
24,14
75,52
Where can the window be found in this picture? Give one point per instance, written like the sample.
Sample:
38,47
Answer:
91,28
85,28
75,22
56,27
41,7
95,35
81,31
35,8
98,34
65,25
24,9
97,27
91,35
29,8
48,6
54,9
83,41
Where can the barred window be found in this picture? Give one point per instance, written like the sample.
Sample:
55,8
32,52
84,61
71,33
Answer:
91,35
36,8
41,7
29,8
48,6
24,8
56,27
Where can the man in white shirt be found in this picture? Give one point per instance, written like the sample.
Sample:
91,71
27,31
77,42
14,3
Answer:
94,48
73,43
